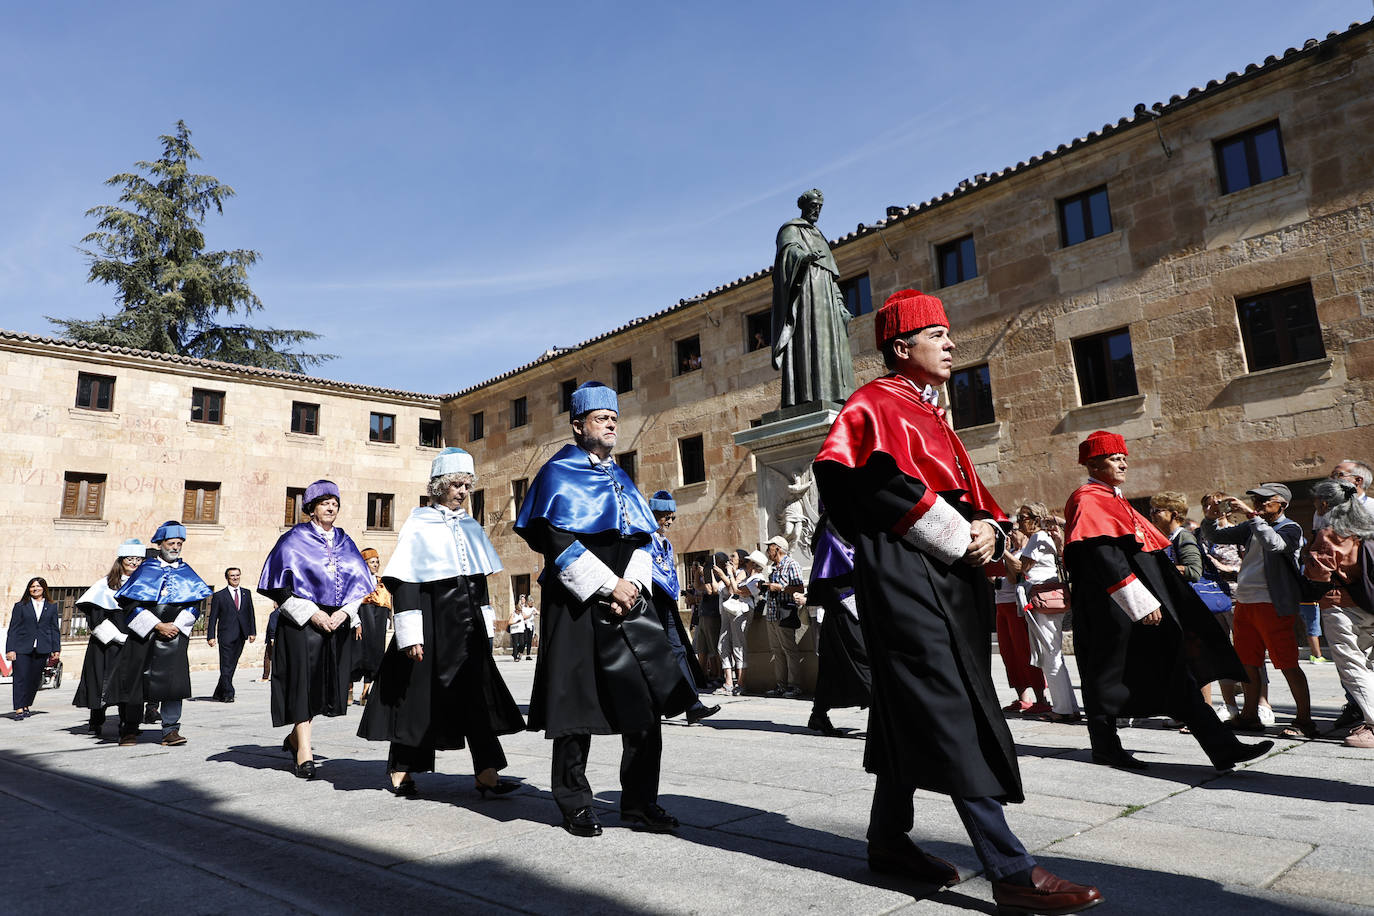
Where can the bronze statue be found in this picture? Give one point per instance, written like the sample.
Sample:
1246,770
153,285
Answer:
810,321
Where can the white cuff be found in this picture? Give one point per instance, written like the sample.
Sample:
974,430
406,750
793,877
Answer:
640,570
587,577
299,610
489,618
351,609
107,633
184,622
1135,600
410,628
941,532
142,623
851,605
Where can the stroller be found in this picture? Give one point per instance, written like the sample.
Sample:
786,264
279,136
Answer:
52,675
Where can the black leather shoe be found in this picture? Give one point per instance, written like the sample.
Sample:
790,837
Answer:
305,770
1119,759
651,818
1350,716
1047,893
582,822
1241,753
820,722
406,788
903,857
502,787
701,712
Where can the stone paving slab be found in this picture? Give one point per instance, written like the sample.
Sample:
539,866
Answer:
774,819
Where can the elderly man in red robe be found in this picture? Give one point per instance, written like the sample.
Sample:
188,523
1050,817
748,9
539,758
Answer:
901,488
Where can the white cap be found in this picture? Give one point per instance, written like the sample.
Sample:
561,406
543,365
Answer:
452,461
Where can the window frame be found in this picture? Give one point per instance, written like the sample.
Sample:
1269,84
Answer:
1250,152
629,463
294,507
89,494
519,489
963,271
1084,199
623,373
763,321
378,428
477,426
862,288
207,394
683,444
478,502
684,349
1276,301
565,393
95,384
381,511
299,411
1101,343
977,416
519,412
193,508
437,426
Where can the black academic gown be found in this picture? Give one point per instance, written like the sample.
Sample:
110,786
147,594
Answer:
93,690
843,675
151,669
370,649
311,669
665,606
1129,669
597,674
455,688
935,722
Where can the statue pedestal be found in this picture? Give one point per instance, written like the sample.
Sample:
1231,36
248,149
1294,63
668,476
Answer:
784,447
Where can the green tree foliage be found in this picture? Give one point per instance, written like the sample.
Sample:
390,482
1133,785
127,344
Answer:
170,289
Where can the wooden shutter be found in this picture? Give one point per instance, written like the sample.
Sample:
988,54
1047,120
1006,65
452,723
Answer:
95,498
188,504
209,507
71,497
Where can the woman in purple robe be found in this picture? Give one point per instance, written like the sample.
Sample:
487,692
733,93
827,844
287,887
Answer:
317,576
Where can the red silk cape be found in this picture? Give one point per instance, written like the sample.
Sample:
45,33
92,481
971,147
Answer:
1094,510
887,415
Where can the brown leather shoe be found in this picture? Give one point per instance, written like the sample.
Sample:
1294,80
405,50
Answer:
173,739
904,858
128,739
1048,894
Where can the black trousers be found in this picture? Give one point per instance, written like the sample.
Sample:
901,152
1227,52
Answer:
229,655
483,744
28,674
1000,852
640,757
1217,741
680,653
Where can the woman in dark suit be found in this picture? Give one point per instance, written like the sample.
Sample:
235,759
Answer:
33,636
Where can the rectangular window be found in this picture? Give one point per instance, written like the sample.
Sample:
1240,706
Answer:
381,427
1280,328
1250,158
970,397
207,406
476,427
379,510
431,433
83,495
624,376
518,489
688,353
758,331
305,418
858,296
956,261
565,393
696,568
295,506
1084,216
1105,366
519,412
629,463
693,453
200,503
94,392
479,506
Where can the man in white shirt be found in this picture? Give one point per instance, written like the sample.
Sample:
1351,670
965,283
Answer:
231,622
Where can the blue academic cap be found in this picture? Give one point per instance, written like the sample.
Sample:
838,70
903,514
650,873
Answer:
591,396
170,529
662,501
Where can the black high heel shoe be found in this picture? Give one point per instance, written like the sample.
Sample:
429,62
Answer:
502,787
288,745
305,770
403,789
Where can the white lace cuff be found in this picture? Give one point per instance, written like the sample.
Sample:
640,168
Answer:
185,620
1134,599
299,610
410,628
941,532
142,623
107,633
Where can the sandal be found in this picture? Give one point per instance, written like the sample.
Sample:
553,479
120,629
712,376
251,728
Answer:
1242,724
1301,728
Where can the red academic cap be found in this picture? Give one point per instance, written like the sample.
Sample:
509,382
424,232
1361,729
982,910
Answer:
905,311
1101,443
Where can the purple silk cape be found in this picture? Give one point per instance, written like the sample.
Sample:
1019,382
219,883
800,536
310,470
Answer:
303,564
833,558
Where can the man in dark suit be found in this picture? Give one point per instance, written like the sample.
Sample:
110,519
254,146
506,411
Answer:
231,620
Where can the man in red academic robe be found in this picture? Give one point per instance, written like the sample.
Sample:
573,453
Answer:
1143,638
900,487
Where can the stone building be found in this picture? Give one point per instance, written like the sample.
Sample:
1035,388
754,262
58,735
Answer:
104,443
1198,276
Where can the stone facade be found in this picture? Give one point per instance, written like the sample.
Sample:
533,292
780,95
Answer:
1179,254
148,447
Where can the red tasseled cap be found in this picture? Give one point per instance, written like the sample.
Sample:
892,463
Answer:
905,311
1101,443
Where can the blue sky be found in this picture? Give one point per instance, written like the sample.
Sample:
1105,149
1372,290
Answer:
445,190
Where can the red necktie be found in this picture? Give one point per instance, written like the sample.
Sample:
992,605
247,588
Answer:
236,599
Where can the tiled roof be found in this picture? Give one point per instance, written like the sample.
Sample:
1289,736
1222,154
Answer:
229,368
1141,116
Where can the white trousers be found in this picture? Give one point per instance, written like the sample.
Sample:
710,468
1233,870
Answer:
1350,637
1047,652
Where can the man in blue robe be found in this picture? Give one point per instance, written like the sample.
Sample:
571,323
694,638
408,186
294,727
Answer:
604,663
666,593
162,598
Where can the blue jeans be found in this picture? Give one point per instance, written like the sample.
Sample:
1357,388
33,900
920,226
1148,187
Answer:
171,716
